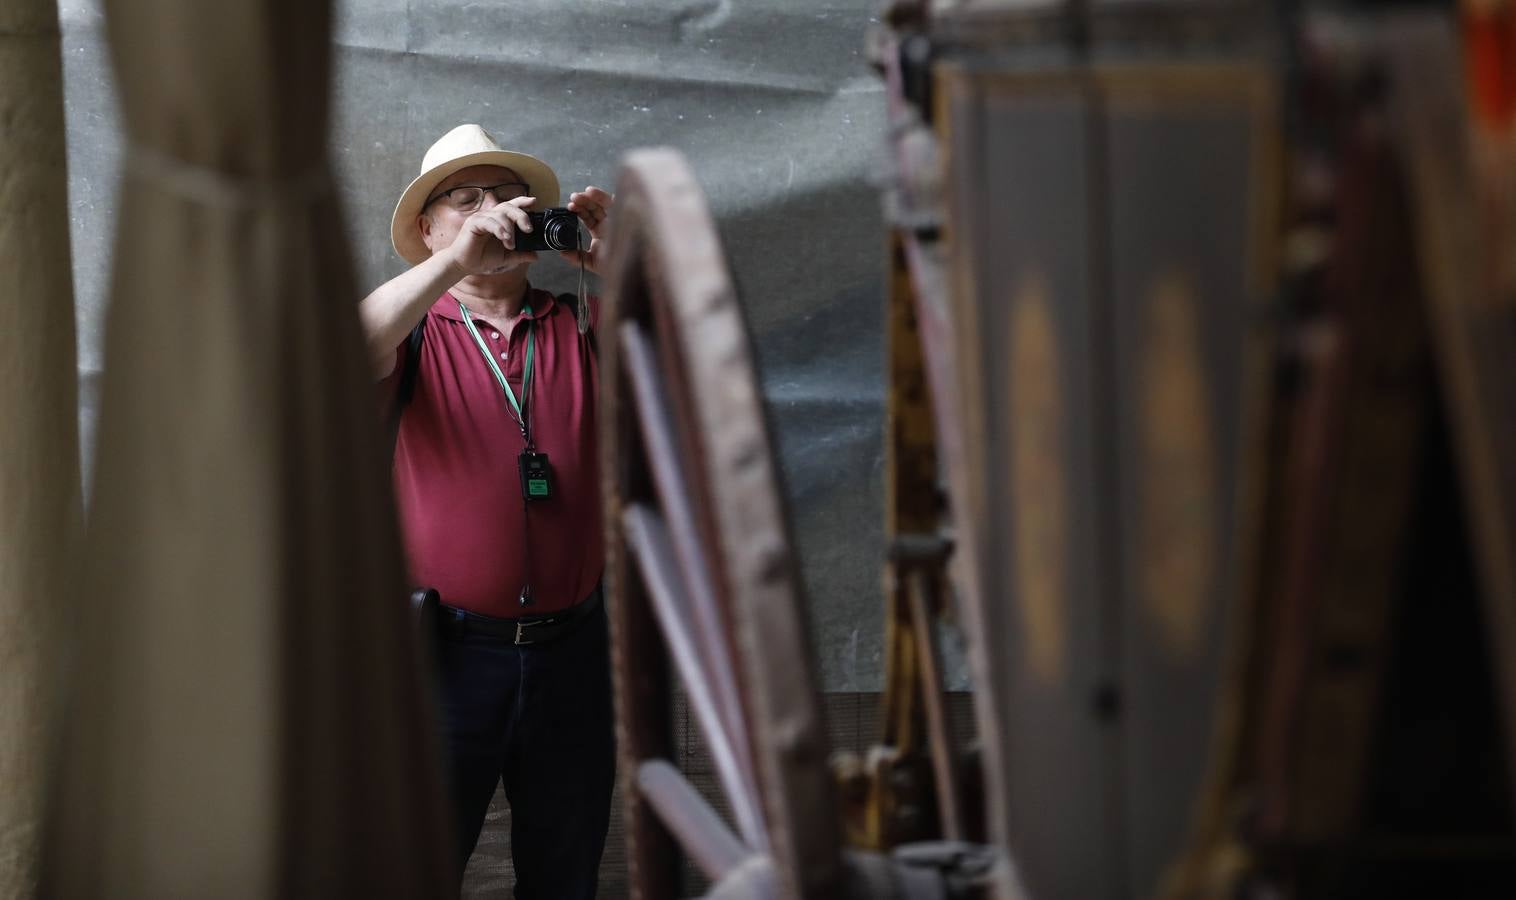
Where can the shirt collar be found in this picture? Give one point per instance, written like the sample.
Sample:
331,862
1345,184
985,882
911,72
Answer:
542,304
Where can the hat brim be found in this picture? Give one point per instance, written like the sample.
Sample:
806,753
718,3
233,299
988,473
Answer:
405,233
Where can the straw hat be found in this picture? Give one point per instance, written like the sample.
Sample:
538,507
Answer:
464,146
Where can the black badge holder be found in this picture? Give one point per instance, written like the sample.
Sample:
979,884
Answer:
536,476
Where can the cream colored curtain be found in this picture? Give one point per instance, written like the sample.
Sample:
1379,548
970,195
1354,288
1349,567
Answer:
39,438
248,719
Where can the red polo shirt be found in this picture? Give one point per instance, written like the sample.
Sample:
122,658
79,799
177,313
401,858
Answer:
467,531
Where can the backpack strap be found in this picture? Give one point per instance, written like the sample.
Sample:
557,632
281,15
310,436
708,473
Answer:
407,386
571,300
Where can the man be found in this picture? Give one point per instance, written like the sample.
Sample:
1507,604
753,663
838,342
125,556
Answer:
496,478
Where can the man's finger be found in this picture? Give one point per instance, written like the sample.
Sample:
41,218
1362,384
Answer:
490,222
504,232
509,212
598,196
593,199
593,215
588,216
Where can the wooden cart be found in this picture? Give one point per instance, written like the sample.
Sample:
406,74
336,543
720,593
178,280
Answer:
1198,313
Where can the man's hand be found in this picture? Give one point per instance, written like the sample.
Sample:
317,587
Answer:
593,207
486,244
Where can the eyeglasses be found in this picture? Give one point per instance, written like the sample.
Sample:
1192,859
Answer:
468,197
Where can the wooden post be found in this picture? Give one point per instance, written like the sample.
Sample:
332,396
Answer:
39,431
248,717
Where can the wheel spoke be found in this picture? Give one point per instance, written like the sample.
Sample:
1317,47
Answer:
651,546
659,437
712,847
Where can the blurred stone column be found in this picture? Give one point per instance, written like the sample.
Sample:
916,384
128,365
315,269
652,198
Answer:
39,432
249,719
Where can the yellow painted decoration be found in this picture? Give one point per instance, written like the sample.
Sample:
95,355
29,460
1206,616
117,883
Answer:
1038,503
1177,514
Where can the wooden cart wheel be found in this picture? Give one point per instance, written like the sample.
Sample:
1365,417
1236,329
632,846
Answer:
700,568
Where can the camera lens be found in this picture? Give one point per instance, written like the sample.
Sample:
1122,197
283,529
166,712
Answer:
562,233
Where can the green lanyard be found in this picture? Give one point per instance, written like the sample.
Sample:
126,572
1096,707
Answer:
520,409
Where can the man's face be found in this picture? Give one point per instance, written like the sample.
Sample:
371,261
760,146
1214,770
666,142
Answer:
440,221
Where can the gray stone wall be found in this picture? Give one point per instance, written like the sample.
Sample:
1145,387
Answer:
771,101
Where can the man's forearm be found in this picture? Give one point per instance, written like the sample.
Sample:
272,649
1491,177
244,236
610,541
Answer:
394,308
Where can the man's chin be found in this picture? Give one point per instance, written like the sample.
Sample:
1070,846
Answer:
519,264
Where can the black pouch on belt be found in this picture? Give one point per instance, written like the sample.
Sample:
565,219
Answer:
424,603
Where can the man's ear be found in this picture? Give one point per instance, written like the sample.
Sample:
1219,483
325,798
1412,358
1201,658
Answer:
424,222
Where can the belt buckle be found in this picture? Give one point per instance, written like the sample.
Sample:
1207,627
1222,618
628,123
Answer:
522,626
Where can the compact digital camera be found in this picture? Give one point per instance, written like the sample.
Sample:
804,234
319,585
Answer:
552,229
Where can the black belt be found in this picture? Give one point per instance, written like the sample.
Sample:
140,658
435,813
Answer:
525,630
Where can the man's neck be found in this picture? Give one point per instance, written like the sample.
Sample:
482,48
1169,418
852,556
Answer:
493,296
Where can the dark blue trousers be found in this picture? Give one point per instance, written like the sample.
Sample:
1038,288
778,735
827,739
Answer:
537,717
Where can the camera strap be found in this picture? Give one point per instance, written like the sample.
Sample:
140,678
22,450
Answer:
519,409
581,317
